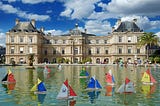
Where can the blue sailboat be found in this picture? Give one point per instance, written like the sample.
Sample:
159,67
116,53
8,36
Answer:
39,88
93,84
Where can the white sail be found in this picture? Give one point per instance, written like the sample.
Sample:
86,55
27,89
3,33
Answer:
63,93
126,88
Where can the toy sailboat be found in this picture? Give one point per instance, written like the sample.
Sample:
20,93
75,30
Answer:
46,69
39,88
66,91
126,87
148,78
93,84
9,78
110,78
83,73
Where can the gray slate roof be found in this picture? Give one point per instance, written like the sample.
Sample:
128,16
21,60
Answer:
24,27
127,26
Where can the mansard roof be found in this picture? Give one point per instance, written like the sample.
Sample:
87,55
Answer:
24,27
127,26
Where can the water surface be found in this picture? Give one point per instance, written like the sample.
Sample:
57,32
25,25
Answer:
20,95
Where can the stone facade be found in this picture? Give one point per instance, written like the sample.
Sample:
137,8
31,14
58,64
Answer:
24,38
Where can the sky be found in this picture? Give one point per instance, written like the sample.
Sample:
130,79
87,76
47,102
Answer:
97,16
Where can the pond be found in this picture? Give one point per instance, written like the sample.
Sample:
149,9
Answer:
19,94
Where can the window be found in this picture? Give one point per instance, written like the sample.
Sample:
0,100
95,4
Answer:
63,51
89,41
89,52
21,49
105,41
120,50
12,39
64,41
129,39
106,51
129,50
21,39
12,50
76,51
54,51
138,51
120,39
138,38
97,41
30,39
56,41
98,51
45,52
30,49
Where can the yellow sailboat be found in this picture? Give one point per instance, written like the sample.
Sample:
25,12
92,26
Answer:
148,78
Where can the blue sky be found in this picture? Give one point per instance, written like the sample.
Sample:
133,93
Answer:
97,16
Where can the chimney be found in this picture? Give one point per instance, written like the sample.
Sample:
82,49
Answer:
33,22
76,26
17,21
42,29
134,20
119,22
113,28
85,30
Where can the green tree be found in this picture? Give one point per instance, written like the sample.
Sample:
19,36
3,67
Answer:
148,40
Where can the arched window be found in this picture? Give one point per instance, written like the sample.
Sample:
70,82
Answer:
75,60
76,51
54,60
98,60
46,60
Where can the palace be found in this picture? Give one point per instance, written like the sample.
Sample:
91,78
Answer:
24,38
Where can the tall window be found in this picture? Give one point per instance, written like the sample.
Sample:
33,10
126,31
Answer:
63,51
12,50
30,39
12,38
97,41
55,41
129,39
138,51
54,51
45,52
105,41
98,51
21,49
120,50
129,50
120,39
106,51
30,50
21,39
138,38
76,51
89,52
64,41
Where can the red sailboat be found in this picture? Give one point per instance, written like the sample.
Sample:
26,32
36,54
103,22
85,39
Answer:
9,78
110,78
66,91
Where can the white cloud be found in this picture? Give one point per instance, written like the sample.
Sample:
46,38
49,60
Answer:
55,32
98,27
36,1
78,9
3,39
10,9
137,7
